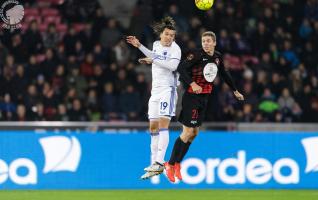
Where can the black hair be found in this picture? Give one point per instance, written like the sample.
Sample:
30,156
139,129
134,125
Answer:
166,22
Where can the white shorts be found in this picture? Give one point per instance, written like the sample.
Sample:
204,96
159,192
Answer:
162,103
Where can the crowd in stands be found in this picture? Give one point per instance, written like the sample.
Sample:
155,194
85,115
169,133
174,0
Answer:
60,67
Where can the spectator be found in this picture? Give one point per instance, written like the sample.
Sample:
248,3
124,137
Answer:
59,81
224,42
49,64
267,48
3,54
33,39
77,81
290,54
77,112
110,35
23,81
61,113
69,41
247,114
286,103
7,106
129,103
109,103
93,107
87,66
38,112
21,113
51,38
18,49
268,106
121,52
122,82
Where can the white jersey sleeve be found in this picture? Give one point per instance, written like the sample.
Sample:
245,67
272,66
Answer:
171,63
146,51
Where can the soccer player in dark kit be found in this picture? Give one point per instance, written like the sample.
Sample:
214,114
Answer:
197,72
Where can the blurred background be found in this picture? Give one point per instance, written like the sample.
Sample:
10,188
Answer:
74,100
69,62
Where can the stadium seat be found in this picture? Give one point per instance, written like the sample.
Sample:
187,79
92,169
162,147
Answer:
57,2
31,11
52,19
233,61
24,27
30,18
62,28
78,27
43,27
252,59
49,12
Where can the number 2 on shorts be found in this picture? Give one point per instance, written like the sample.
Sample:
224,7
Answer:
195,114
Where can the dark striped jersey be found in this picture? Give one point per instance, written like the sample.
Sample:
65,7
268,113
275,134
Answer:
191,70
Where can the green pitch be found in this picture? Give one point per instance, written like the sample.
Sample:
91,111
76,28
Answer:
160,195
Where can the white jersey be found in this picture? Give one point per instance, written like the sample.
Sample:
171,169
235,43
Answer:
165,63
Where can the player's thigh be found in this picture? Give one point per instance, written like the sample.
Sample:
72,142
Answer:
203,102
189,115
164,122
153,112
167,102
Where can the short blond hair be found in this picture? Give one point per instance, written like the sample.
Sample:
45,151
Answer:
209,33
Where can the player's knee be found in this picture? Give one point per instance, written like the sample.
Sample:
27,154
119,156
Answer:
191,133
195,132
191,139
153,129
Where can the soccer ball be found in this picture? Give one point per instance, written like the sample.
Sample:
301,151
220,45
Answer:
204,4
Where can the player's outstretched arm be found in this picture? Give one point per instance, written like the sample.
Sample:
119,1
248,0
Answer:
146,60
135,42
229,80
171,64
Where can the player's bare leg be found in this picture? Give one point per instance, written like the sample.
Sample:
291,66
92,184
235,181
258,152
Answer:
181,146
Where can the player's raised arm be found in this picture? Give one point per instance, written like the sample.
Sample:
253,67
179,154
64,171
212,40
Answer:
226,76
135,42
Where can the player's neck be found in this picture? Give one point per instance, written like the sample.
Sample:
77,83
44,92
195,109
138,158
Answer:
210,53
165,45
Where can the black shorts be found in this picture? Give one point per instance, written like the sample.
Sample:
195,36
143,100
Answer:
193,109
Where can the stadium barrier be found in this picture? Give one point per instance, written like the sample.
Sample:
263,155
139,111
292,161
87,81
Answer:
77,157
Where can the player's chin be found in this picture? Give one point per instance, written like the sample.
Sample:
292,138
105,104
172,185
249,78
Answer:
168,43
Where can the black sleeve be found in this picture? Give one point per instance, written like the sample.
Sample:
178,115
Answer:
186,65
226,76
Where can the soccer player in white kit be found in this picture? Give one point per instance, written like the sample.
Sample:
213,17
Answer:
164,59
